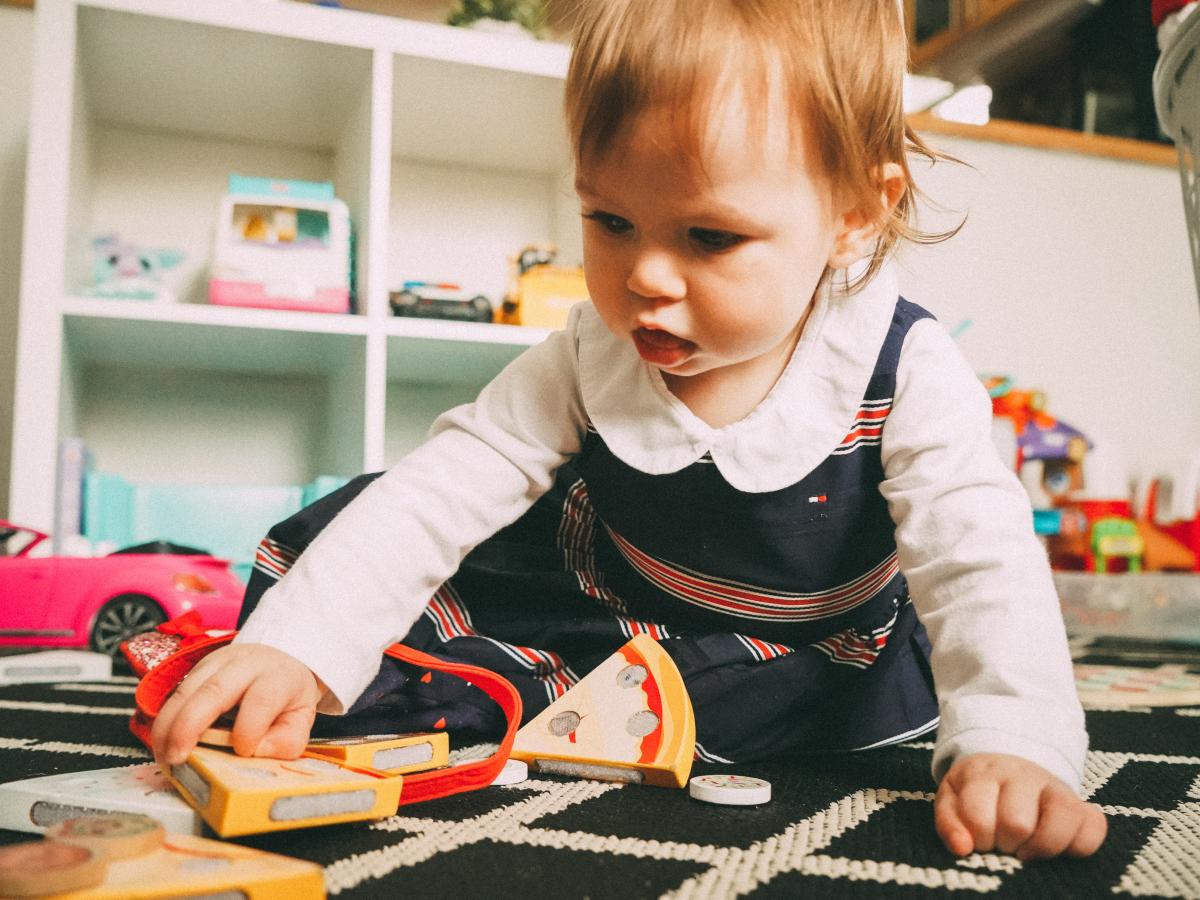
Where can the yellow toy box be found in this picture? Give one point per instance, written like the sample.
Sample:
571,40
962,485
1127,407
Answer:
395,754
540,293
129,857
239,795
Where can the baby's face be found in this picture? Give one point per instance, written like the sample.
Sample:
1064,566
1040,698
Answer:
708,272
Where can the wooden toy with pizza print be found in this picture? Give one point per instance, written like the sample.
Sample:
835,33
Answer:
630,719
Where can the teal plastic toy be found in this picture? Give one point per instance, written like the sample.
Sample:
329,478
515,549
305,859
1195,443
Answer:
225,520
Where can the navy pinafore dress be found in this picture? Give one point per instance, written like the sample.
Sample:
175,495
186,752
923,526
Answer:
785,610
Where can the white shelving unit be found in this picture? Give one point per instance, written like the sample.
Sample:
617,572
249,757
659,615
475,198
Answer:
447,145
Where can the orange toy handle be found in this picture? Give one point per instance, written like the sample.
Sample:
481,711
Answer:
158,684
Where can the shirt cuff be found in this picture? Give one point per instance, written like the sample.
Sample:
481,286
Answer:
1053,739
992,740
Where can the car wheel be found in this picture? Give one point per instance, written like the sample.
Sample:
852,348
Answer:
481,308
121,618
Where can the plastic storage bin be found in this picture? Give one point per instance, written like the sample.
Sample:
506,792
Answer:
225,520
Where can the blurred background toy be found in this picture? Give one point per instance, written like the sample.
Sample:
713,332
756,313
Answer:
541,293
527,17
1046,453
1080,491
439,300
282,244
1170,512
97,512
99,602
128,271
1115,537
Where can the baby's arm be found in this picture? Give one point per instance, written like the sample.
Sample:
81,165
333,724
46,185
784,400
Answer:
367,576
1011,740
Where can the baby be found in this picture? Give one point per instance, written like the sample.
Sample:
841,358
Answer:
747,446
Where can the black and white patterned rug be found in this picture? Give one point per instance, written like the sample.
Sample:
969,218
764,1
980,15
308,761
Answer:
838,826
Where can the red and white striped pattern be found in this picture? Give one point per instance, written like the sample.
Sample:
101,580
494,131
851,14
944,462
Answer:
867,429
452,620
763,650
449,615
748,601
576,538
273,559
631,628
853,648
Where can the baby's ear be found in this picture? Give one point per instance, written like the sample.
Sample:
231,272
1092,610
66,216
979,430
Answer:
860,227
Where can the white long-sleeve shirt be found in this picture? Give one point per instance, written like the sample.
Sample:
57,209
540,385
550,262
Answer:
978,577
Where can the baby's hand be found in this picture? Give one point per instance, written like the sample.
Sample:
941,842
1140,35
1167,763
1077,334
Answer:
993,801
275,693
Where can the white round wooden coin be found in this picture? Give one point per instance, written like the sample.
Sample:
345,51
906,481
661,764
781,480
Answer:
514,772
730,790
116,835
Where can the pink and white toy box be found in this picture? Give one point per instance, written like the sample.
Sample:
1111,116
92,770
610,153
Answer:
281,244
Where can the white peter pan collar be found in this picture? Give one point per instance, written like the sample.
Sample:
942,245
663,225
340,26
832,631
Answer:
799,423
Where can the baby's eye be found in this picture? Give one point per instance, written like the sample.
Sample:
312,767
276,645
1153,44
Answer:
713,241
610,223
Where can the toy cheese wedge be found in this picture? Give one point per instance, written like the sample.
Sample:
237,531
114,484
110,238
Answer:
395,754
629,719
189,866
239,795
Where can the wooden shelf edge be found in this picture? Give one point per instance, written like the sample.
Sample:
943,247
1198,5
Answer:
1045,137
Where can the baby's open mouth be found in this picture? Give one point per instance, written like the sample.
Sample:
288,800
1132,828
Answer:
661,348
662,340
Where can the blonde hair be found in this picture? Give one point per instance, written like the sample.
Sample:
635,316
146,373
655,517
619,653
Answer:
841,64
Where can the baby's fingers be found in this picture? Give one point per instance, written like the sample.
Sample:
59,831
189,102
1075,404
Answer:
197,702
288,736
978,799
1065,825
949,824
1091,833
1017,814
271,723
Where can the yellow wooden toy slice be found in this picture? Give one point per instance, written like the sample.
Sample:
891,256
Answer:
249,795
630,719
190,866
396,754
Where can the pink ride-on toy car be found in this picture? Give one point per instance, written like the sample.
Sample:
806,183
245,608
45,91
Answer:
98,602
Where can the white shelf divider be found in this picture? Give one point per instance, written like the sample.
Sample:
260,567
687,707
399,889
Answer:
39,339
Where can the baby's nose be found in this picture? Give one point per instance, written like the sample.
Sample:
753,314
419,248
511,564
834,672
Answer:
657,275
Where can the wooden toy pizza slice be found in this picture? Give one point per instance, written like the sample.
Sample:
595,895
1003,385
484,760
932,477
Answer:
630,719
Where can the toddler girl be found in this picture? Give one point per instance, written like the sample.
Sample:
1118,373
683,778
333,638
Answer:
747,445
